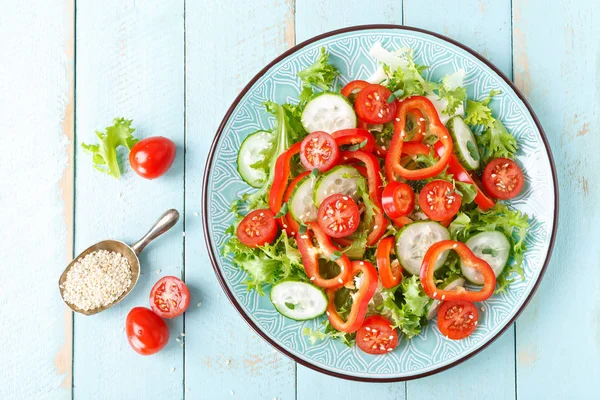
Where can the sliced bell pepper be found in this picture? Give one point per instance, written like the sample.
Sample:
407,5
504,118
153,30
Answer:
390,272
355,136
460,174
379,228
353,86
401,221
360,300
324,249
286,222
373,171
281,176
417,136
467,258
435,127
409,149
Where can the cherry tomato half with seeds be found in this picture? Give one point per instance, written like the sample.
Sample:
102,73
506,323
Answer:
146,332
372,105
169,297
376,335
338,216
257,228
503,179
319,150
457,319
439,200
152,157
398,199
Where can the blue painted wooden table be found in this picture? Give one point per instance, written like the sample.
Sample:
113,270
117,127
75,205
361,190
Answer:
174,67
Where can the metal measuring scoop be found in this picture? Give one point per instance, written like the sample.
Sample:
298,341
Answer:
164,223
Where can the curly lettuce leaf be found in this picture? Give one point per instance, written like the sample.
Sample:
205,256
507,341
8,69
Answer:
478,112
266,264
407,306
512,223
104,154
320,74
316,335
406,80
452,91
496,142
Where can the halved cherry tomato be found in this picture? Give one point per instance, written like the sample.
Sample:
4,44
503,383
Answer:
372,105
355,136
338,216
152,157
354,86
257,228
169,297
439,200
146,332
376,335
319,150
457,319
398,199
503,178
390,272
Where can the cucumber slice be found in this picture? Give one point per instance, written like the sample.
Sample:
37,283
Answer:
328,112
492,247
342,179
467,150
415,239
434,305
301,204
249,154
298,300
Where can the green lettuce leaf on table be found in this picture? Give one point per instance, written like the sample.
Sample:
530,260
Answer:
104,154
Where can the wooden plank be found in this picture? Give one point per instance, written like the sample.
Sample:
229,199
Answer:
557,61
485,27
36,83
226,44
312,18
130,63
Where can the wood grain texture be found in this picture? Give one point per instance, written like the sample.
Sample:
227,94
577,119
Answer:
36,81
226,44
314,17
130,63
485,27
557,64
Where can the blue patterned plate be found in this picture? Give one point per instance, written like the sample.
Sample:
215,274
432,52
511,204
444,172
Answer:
429,352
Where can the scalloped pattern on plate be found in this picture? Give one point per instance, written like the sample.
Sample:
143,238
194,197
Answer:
429,351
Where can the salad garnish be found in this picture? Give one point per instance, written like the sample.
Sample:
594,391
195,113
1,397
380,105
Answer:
378,205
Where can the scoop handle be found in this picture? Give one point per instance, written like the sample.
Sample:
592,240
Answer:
163,224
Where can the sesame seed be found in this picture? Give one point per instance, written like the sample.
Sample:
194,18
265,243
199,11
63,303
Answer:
475,323
172,369
196,214
422,119
454,246
434,294
368,329
391,337
374,330
232,392
389,349
199,304
345,197
482,309
443,296
304,236
340,280
177,339
182,334
362,263
183,234
383,148
227,362
327,313
397,119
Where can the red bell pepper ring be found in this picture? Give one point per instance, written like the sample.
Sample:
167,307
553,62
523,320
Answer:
360,299
435,127
373,171
355,136
281,177
409,149
353,86
467,258
401,221
379,228
311,255
288,223
417,137
460,174
390,272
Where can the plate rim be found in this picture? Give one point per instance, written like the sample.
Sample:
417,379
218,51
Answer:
205,207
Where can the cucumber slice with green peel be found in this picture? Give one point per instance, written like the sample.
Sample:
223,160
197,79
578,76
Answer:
413,241
467,150
492,247
328,112
249,154
342,179
434,305
301,203
298,300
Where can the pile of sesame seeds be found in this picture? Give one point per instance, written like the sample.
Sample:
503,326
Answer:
97,280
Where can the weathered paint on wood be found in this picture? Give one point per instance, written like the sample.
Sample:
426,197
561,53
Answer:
130,63
557,65
36,83
314,17
227,44
485,27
